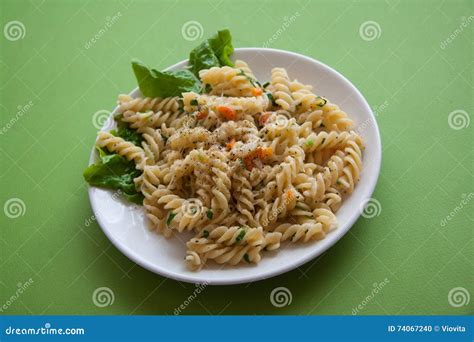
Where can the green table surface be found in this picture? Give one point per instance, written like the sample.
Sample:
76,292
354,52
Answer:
419,83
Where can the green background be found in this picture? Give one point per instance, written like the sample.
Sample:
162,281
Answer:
406,76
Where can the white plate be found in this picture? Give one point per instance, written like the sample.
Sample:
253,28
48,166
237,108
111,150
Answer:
125,226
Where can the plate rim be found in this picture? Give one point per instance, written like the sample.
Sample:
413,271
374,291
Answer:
193,277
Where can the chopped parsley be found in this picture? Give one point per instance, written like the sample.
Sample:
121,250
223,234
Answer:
207,88
194,102
241,235
247,258
309,142
272,99
266,84
250,79
209,214
125,132
205,234
170,218
322,102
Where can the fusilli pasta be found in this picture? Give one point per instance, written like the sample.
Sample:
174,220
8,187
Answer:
245,167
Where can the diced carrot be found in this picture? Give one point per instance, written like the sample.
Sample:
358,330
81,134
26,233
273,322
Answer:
290,195
260,153
268,152
263,152
227,112
248,161
264,117
230,144
201,115
257,91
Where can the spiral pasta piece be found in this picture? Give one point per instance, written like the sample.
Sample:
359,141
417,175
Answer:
323,140
226,245
142,105
308,231
154,212
353,166
243,195
227,81
121,147
280,85
335,119
303,96
153,144
241,65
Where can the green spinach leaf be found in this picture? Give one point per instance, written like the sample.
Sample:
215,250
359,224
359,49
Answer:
125,132
202,57
113,171
154,83
213,52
